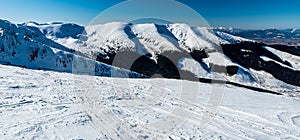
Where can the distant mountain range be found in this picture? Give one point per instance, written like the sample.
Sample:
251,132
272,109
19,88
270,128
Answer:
176,51
271,36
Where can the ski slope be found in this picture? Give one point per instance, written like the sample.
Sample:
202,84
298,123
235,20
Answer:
38,104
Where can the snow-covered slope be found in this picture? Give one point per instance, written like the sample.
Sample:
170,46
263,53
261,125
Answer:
37,104
49,105
27,47
143,38
293,59
57,30
103,42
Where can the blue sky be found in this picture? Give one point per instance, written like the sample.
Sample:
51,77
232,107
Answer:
227,13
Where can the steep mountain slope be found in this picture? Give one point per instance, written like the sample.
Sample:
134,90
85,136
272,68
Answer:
182,51
28,47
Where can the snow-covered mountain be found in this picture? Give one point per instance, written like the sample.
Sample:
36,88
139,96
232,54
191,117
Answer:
174,50
54,104
28,47
270,36
58,29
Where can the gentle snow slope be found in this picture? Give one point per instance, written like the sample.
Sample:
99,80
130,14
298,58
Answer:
50,105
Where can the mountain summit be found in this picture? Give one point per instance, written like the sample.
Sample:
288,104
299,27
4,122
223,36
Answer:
175,51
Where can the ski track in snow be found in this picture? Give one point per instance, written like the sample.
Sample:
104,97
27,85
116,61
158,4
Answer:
51,105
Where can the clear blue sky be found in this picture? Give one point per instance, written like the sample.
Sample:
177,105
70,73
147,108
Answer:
227,13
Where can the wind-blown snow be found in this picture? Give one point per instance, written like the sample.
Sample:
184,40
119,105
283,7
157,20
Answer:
49,105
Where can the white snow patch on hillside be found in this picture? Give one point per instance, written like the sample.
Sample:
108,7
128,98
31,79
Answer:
293,59
218,58
269,59
266,58
294,30
266,81
230,39
191,40
192,65
104,38
152,41
204,71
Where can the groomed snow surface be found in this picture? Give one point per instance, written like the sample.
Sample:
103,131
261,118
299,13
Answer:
49,105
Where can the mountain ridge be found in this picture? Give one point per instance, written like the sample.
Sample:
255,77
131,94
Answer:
29,48
175,51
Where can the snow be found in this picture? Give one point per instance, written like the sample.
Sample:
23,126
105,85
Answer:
293,59
190,39
21,46
250,77
208,34
152,41
230,39
57,29
294,30
243,75
37,104
49,105
269,59
145,38
192,65
266,58
219,59
66,48
266,81
104,37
